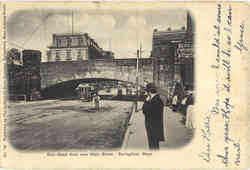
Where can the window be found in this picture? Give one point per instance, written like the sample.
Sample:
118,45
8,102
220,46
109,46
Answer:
177,69
162,48
57,55
58,42
161,67
80,41
166,68
187,45
49,55
79,55
180,45
85,54
69,42
68,55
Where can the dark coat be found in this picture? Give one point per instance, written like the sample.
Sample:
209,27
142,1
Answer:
153,111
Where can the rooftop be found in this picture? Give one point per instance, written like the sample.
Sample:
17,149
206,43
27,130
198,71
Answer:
169,31
69,34
169,35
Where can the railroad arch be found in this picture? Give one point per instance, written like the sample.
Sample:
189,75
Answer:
53,73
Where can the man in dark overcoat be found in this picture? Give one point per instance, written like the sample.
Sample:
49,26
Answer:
153,111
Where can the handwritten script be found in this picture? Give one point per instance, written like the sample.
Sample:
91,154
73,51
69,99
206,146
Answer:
223,107
240,44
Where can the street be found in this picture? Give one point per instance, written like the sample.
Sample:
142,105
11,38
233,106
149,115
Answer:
67,124
72,124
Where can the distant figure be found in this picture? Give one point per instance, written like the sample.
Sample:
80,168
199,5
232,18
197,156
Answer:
153,112
190,121
183,105
175,103
119,91
96,99
190,99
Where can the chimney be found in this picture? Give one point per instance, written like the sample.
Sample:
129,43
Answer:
189,22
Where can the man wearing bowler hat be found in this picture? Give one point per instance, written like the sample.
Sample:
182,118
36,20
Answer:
153,112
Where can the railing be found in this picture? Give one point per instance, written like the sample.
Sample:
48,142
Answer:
16,97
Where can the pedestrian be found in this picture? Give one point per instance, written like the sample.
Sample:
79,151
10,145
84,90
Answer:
174,103
187,100
153,112
96,99
190,119
183,105
183,108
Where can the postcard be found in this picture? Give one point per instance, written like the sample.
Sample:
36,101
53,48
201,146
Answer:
124,85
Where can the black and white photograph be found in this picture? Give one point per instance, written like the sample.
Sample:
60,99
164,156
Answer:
100,79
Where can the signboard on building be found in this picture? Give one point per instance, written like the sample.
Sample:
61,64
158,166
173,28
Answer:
185,50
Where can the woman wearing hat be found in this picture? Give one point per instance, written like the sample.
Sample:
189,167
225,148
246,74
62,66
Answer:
153,112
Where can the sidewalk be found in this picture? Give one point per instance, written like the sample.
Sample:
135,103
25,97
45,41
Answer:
136,137
176,134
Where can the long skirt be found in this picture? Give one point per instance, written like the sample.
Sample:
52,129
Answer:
190,118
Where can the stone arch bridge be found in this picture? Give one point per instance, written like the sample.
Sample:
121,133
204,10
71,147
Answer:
53,73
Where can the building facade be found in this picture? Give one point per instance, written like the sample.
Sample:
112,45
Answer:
25,79
173,57
75,47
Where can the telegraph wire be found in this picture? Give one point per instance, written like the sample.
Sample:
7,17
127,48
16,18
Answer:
35,30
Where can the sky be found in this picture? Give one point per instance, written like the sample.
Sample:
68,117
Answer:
121,31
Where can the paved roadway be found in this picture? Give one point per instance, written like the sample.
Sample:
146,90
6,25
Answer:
67,124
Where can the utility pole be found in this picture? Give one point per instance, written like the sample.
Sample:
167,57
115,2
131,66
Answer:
72,14
137,63
137,80
140,50
140,56
141,64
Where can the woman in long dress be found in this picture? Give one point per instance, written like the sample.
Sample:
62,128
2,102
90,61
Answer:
190,117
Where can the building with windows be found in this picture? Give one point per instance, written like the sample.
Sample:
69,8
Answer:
173,56
25,79
74,47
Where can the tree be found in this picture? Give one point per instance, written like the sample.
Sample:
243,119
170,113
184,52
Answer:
13,55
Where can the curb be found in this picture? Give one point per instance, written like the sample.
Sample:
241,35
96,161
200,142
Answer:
128,130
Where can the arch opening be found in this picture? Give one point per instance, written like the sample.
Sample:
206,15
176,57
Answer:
66,89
